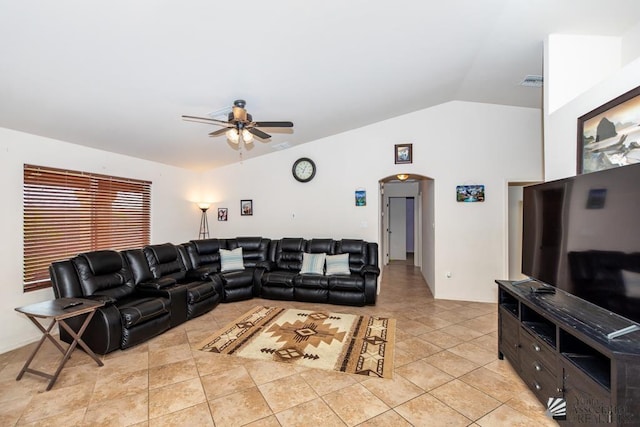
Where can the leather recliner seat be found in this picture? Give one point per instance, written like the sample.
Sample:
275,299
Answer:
160,269
244,284
128,317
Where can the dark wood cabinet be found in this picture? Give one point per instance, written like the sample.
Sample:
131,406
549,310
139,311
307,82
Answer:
558,344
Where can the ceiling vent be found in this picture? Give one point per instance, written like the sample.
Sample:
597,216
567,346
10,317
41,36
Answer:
221,114
281,146
532,81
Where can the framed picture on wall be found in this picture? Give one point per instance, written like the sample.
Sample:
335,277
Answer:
403,153
246,207
609,136
222,214
470,193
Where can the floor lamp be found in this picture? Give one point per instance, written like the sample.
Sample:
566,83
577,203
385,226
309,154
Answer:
204,224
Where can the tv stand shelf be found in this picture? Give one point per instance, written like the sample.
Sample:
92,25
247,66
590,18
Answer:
558,344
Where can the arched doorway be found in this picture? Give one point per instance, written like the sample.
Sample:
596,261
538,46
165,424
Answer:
407,221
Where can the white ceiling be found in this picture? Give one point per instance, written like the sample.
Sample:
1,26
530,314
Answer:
118,75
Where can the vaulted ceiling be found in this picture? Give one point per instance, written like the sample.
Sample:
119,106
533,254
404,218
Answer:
118,75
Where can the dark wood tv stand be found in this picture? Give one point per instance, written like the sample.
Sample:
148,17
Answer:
558,345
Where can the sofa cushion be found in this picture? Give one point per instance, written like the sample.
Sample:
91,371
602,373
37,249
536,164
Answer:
164,260
313,281
255,250
108,276
338,264
288,254
279,278
358,253
204,252
352,283
238,279
231,260
312,263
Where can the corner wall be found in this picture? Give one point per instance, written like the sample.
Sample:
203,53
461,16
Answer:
560,124
174,218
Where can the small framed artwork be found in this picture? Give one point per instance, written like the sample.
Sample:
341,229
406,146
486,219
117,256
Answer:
609,136
361,198
403,153
246,207
222,214
470,193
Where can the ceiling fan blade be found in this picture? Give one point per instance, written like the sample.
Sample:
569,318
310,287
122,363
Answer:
219,131
274,124
259,133
204,120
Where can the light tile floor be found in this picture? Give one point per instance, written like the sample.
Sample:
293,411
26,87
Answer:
446,373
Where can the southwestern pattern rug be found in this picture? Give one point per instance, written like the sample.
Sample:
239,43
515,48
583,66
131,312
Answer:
317,339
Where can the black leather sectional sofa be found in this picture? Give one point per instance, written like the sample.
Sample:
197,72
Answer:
150,290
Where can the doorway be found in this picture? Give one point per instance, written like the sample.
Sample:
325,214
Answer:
514,229
407,209
401,230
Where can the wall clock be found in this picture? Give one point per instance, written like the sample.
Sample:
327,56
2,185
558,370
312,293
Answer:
304,169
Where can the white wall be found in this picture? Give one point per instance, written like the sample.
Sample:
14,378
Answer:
428,233
174,217
560,126
453,143
574,63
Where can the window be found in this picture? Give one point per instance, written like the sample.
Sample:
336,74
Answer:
69,212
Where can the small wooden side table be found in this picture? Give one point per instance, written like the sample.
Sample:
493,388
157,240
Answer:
58,311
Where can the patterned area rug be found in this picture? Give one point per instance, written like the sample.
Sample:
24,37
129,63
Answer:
317,339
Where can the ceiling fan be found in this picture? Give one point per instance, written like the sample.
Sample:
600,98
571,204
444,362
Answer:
240,124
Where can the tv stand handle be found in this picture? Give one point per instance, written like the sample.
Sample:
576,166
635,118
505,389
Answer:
623,331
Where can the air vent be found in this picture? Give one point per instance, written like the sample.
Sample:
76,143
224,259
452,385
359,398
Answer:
221,114
532,81
281,146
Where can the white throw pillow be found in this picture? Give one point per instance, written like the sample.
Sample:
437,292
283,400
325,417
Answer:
631,283
312,263
338,264
231,260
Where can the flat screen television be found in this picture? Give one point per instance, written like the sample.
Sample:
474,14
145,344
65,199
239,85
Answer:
582,235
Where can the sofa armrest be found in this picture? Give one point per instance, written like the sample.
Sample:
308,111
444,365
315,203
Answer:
107,300
157,284
370,269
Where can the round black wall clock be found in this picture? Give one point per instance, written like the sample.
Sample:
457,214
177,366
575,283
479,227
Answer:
304,169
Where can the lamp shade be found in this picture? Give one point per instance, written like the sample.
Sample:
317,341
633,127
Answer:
233,135
204,205
247,137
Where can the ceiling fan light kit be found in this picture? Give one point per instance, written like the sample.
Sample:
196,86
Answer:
240,125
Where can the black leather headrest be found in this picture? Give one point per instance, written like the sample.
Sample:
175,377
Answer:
164,253
289,244
352,246
206,246
103,262
250,243
318,246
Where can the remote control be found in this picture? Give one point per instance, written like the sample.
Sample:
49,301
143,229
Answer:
73,304
544,290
